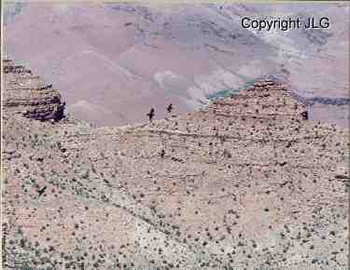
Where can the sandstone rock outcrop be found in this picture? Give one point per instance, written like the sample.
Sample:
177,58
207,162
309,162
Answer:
246,183
265,99
25,93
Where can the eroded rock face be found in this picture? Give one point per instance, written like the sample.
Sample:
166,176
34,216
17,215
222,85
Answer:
26,94
265,99
246,183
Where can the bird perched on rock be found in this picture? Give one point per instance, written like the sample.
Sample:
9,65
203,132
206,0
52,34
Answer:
151,114
170,108
41,191
305,115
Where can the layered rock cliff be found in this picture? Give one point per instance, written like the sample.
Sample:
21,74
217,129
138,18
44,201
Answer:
247,183
29,95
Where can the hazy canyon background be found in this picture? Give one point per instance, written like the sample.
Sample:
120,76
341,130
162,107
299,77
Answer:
112,62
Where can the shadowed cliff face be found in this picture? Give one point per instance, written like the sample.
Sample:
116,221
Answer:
29,96
115,61
246,182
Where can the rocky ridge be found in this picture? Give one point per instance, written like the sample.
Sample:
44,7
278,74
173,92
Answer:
247,183
29,95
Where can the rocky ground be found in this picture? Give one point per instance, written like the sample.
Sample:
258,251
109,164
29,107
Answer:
246,183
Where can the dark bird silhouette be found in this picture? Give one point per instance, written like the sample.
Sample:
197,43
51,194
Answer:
151,114
283,163
162,153
170,108
305,115
41,191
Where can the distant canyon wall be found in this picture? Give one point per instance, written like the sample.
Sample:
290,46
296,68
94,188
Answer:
113,62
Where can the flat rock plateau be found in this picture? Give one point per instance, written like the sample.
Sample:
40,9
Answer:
248,182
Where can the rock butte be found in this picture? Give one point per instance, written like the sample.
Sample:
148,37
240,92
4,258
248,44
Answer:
29,95
247,183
